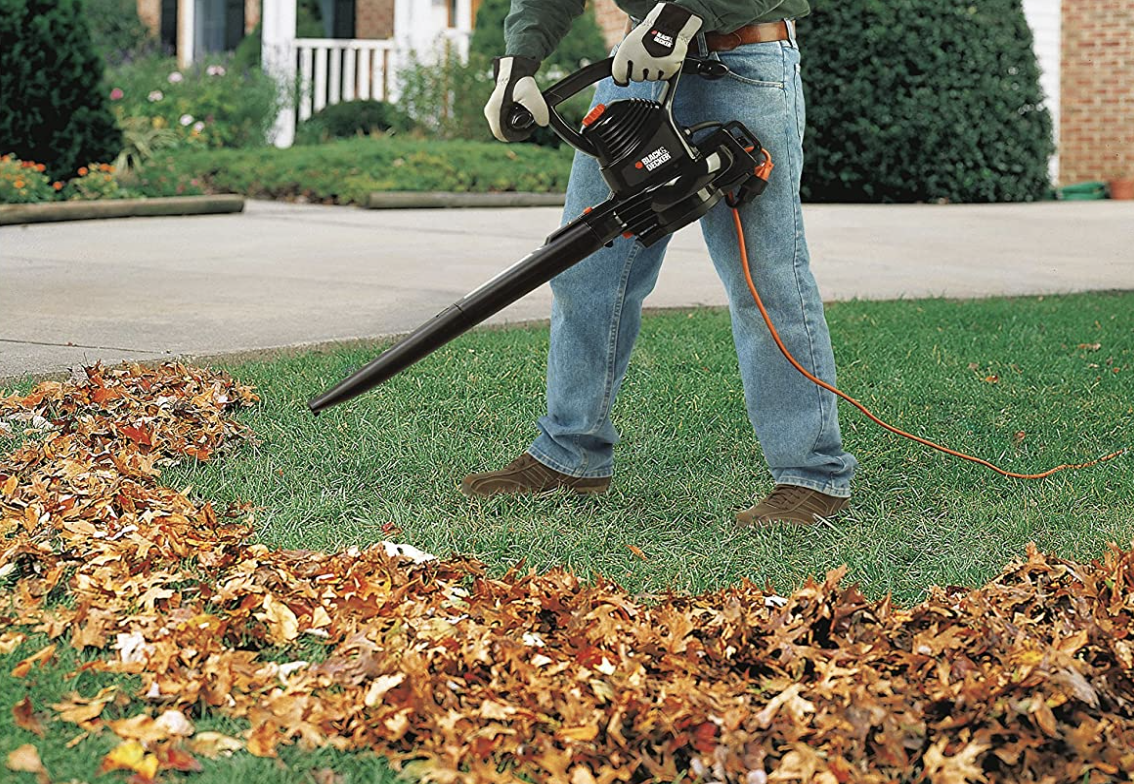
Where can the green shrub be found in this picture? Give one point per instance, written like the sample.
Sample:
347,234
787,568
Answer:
352,118
95,181
922,100
582,44
24,182
448,99
211,104
117,32
246,56
54,109
347,171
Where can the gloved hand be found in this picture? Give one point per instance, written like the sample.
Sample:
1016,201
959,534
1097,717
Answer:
514,85
655,49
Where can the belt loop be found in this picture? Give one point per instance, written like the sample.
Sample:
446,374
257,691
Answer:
702,45
790,23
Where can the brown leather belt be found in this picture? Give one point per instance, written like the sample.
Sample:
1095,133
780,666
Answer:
749,34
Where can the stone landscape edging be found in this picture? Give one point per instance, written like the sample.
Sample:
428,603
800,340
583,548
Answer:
52,212
403,200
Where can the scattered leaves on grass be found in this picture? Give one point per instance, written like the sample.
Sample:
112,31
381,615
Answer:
459,677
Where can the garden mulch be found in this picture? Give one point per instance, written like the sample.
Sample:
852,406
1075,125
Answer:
457,676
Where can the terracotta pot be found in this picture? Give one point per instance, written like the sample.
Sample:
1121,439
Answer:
1121,188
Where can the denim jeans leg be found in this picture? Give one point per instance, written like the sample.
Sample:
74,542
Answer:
595,319
795,420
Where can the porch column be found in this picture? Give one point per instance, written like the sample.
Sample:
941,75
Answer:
186,31
277,57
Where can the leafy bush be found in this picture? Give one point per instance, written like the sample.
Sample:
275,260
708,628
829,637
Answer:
54,109
583,43
347,171
141,140
922,100
448,99
352,118
117,32
24,182
211,104
96,181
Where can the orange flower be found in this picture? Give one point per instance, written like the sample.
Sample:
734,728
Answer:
57,185
83,171
104,167
19,183
39,167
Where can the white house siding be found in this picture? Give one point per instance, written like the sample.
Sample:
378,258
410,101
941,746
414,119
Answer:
1045,19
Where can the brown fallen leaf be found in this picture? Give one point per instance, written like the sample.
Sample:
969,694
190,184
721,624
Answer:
1090,346
130,755
9,641
992,379
326,776
214,744
25,759
263,739
25,718
22,669
637,551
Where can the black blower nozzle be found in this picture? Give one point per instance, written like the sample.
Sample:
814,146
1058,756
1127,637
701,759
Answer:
568,246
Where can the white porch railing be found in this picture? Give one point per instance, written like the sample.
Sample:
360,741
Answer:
328,70
332,70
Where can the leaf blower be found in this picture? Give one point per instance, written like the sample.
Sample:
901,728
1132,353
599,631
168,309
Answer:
662,177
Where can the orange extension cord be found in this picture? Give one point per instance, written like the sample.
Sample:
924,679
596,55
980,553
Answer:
861,407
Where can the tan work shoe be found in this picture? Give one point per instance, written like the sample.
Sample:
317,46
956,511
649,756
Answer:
792,504
525,474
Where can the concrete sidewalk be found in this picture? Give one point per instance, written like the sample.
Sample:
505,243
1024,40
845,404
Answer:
282,275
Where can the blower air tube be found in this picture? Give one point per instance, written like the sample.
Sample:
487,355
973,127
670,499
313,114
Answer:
564,249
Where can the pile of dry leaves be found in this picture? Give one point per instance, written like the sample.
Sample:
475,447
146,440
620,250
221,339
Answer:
546,677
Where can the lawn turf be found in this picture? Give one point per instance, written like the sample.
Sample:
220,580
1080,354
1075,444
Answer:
974,374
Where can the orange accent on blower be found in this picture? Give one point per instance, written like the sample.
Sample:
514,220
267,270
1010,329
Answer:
594,114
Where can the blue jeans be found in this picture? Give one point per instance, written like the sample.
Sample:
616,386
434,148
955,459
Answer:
597,306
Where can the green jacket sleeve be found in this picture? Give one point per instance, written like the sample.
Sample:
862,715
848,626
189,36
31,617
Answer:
533,28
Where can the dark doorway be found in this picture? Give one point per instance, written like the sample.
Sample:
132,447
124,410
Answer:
168,33
343,17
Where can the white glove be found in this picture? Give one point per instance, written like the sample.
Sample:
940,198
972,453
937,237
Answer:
655,49
514,87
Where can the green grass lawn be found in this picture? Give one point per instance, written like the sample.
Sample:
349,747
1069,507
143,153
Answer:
387,466
689,459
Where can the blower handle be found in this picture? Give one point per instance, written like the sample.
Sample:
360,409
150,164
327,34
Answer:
521,119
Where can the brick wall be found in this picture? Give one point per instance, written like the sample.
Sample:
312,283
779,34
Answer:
149,11
611,20
374,18
1097,94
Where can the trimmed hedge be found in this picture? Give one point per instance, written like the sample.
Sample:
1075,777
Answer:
347,171
352,118
922,100
54,108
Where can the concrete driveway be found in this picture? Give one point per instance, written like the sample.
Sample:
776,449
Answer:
284,275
